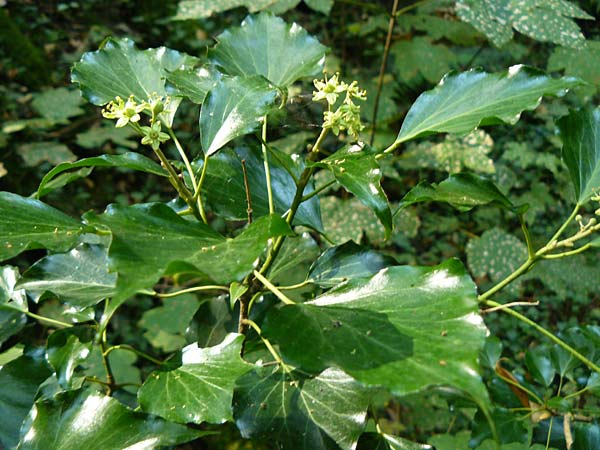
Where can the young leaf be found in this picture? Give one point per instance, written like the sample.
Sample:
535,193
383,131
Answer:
88,419
201,390
405,328
463,191
120,69
580,132
80,277
12,302
147,238
302,413
67,349
234,107
266,45
355,168
19,383
224,187
28,224
129,160
192,83
347,261
465,101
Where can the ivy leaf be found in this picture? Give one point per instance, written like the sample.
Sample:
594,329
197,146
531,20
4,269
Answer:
405,328
120,69
383,441
88,419
58,105
355,168
129,160
266,45
147,238
29,224
302,413
192,83
463,191
582,63
580,132
465,101
234,107
66,350
80,277
347,261
201,390
19,383
224,187
12,302
410,54
546,21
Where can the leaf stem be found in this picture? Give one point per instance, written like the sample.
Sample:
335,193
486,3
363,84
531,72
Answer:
530,249
520,387
266,165
295,286
131,349
57,323
110,379
546,333
271,287
318,190
210,287
386,53
268,344
247,189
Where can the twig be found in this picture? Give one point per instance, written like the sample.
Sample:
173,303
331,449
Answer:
508,305
247,188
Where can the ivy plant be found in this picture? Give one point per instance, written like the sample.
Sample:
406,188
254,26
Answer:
309,333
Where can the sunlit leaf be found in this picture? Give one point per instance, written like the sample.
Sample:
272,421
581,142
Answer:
66,350
12,302
192,83
266,45
201,390
465,101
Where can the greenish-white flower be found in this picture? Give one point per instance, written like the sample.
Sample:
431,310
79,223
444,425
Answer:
153,135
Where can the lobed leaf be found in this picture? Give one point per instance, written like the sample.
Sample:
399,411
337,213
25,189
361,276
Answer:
201,390
465,101
405,328
266,45
192,83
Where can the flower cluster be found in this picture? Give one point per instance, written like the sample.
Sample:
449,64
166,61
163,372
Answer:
128,113
347,115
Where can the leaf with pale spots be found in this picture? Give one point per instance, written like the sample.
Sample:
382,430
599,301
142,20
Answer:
29,224
327,412
464,101
496,254
546,21
234,107
405,328
266,45
88,419
355,168
201,390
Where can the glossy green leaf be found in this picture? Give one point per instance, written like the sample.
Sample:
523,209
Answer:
294,260
301,413
224,187
374,441
12,302
266,45
463,191
201,390
130,160
547,21
164,326
80,277
355,168
66,350
19,383
120,69
234,107
122,364
147,238
465,101
405,328
192,83
347,261
28,224
580,132
539,366
88,419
